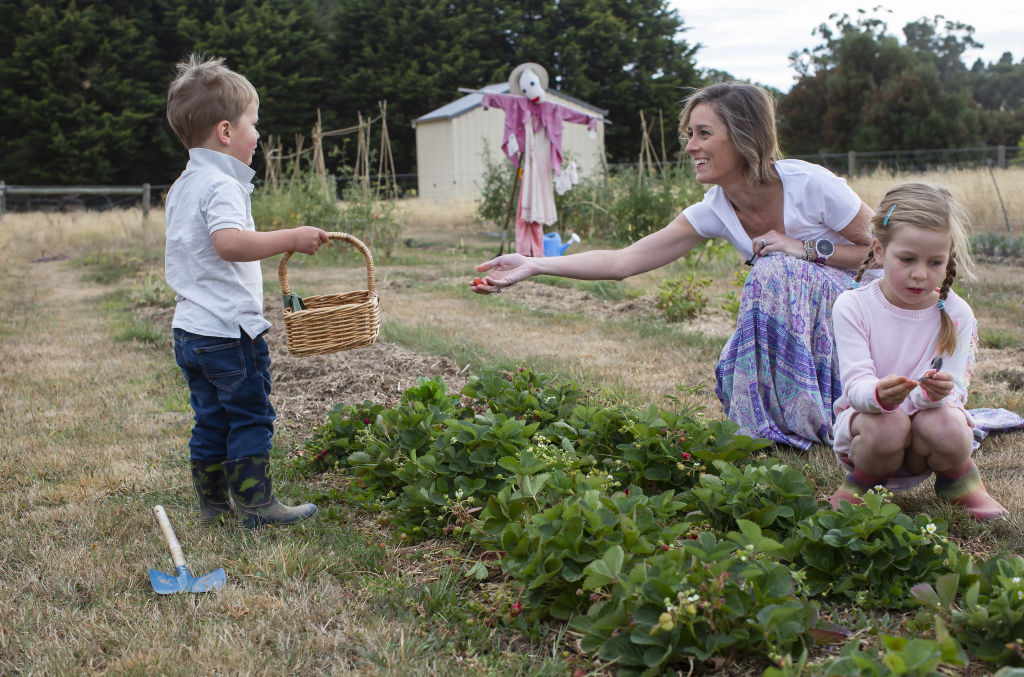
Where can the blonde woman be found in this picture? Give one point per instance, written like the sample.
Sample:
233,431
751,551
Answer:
801,227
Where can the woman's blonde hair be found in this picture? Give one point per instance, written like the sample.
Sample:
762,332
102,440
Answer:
932,208
204,93
748,112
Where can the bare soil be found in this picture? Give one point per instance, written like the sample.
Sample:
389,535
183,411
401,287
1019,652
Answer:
307,388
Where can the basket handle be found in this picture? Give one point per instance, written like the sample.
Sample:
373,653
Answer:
282,267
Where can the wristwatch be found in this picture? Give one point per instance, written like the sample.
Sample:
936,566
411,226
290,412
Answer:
820,250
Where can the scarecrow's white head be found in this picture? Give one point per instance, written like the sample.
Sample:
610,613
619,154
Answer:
529,85
529,80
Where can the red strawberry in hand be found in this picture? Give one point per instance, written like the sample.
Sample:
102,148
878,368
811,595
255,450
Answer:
477,282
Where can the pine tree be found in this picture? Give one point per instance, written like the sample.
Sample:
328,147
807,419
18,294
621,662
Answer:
79,83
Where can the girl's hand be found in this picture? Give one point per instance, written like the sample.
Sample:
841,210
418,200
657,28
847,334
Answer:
891,390
504,271
936,384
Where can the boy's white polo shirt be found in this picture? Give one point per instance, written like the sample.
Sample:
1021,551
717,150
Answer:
215,297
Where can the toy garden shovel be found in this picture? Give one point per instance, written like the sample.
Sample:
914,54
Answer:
165,584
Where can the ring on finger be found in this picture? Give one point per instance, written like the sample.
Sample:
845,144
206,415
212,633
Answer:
764,243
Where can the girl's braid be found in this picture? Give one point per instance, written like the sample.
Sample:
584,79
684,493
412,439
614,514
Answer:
864,266
947,329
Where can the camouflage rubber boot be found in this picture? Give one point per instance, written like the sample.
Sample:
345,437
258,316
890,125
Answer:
249,479
212,489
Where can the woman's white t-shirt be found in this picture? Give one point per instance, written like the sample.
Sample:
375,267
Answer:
817,204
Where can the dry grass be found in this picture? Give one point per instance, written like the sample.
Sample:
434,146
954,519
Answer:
38,234
978,190
93,433
88,446
425,217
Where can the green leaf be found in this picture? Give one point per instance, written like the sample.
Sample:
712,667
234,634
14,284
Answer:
359,458
751,530
606,570
947,587
656,655
478,571
925,594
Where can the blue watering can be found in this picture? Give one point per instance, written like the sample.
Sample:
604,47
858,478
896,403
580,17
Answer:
553,244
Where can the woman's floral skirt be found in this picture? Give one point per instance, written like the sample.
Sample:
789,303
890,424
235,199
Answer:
778,375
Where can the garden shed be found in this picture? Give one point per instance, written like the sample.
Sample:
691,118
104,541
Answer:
451,141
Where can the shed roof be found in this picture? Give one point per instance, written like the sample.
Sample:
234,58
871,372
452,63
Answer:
463,105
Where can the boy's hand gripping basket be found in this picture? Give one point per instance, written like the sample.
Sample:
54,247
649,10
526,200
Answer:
327,324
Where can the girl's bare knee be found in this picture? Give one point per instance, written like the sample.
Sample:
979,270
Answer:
944,428
884,433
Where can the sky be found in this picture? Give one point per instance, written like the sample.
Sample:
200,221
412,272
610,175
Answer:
753,40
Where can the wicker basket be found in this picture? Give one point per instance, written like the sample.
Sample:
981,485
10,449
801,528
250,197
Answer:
334,322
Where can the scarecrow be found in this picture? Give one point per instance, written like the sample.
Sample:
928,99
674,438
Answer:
532,141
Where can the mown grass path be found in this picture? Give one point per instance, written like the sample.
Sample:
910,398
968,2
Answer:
92,435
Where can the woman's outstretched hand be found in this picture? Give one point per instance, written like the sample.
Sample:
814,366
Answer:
502,272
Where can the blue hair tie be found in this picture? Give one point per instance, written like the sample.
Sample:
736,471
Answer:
942,304
885,221
855,285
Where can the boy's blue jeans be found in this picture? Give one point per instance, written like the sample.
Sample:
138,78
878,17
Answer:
229,382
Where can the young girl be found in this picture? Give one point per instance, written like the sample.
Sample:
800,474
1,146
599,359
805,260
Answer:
905,355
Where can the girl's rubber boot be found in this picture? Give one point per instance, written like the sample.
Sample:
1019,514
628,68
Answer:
848,491
964,487
211,484
249,480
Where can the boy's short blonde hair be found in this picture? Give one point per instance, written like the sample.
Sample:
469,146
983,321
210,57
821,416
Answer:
204,93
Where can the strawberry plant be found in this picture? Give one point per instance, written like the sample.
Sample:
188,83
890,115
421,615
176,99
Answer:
430,458
552,550
899,657
653,530
464,458
775,497
706,597
671,451
871,554
989,618
523,393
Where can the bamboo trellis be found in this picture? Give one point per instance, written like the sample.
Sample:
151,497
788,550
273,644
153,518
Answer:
386,182
648,155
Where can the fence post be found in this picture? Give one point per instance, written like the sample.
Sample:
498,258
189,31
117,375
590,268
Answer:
145,202
1001,156
3,198
851,163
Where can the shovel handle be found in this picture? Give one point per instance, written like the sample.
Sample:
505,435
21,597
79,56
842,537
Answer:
172,540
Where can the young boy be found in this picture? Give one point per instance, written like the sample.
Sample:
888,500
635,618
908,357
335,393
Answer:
212,264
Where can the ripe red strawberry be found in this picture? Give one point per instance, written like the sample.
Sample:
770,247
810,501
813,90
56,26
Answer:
477,282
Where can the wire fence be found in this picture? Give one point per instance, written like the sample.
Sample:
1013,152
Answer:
74,198
856,163
849,164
